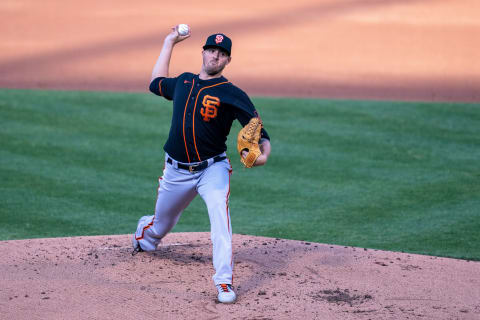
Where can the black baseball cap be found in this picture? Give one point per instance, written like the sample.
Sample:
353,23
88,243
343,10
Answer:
219,40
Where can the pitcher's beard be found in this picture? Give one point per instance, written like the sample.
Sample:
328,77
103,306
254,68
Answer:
211,71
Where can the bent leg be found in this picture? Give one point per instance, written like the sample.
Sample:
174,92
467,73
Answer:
175,192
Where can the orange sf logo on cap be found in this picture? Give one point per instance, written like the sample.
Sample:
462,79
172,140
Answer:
218,38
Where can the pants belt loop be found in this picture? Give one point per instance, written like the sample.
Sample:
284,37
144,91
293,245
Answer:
174,162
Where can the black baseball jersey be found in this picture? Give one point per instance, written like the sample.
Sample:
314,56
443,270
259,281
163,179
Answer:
203,113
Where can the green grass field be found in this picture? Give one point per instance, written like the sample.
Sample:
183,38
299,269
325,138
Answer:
387,175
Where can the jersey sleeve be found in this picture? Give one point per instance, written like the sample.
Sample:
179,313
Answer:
164,87
245,110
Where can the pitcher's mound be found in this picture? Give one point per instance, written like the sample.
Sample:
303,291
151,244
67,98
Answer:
98,278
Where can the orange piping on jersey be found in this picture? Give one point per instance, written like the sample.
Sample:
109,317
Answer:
184,112
195,106
160,87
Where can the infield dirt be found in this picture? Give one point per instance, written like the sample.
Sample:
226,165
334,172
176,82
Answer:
362,49
98,278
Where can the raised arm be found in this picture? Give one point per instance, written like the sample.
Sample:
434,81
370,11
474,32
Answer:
163,62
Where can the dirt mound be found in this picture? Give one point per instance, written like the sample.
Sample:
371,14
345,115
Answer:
98,278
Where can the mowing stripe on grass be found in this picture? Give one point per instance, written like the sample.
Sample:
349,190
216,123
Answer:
390,175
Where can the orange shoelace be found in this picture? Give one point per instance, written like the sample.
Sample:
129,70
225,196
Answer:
224,287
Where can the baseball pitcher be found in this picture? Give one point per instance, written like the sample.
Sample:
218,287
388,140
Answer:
204,108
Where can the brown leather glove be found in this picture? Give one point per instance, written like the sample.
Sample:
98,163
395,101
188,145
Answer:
247,140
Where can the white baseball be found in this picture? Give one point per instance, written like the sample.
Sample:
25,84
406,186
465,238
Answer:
183,29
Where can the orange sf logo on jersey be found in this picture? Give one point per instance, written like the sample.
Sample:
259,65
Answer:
210,105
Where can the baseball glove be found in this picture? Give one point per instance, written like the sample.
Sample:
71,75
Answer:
247,140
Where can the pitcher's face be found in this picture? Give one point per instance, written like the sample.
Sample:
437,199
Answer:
214,60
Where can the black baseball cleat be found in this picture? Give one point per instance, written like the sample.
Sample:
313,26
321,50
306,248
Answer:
136,246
